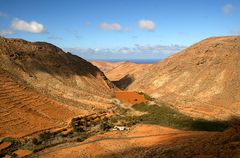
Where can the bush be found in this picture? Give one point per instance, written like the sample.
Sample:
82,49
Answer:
82,138
166,116
78,129
147,97
45,136
15,145
35,141
105,126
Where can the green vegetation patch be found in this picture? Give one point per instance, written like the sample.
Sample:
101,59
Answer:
166,116
147,97
14,146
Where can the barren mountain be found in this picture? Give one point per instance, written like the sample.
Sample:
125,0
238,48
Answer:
24,111
202,80
117,70
106,66
41,86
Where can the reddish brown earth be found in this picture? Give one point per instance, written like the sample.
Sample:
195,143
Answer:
130,97
52,72
42,87
200,81
24,111
5,145
22,153
153,141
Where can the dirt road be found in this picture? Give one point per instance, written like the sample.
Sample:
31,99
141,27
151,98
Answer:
115,142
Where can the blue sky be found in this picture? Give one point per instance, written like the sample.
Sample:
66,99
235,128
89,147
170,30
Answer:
107,29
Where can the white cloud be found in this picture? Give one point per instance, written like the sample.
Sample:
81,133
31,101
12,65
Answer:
33,26
147,25
7,32
227,9
111,27
162,49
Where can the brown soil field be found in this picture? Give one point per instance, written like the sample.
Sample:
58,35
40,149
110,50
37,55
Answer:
130,97
5,145
24,111
152,141
22,153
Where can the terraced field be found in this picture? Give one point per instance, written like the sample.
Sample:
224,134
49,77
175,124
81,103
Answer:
24,111
130,97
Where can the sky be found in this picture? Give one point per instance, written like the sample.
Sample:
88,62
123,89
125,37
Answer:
119,29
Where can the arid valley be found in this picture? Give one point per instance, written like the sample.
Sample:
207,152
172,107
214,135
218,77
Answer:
62,102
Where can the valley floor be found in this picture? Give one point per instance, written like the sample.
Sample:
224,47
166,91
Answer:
150,141
114,143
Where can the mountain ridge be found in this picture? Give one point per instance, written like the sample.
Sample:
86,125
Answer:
41,83
202,80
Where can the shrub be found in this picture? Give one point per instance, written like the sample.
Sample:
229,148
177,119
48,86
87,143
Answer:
82,138
166,116
45,136
35,141
147,97
78,129
105,126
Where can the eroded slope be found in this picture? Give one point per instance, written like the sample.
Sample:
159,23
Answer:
115,71
24,111
202,80
59,75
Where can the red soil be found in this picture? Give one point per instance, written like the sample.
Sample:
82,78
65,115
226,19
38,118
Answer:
130,97
22,153
24,111
5,145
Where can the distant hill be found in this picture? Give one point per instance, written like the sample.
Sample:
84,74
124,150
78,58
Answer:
117,70
202,80
106,66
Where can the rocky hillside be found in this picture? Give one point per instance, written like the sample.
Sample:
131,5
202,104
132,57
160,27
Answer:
24,111
202,80
61,76
106,66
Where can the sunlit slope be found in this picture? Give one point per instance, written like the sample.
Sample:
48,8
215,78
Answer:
202,80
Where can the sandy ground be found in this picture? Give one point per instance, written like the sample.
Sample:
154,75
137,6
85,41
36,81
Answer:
113,143
22,153
5,145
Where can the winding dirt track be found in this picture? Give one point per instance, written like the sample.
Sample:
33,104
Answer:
114,142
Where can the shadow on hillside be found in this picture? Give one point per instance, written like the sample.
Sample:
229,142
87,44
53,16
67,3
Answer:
166,116
53,62
213,144
124,82
45,57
